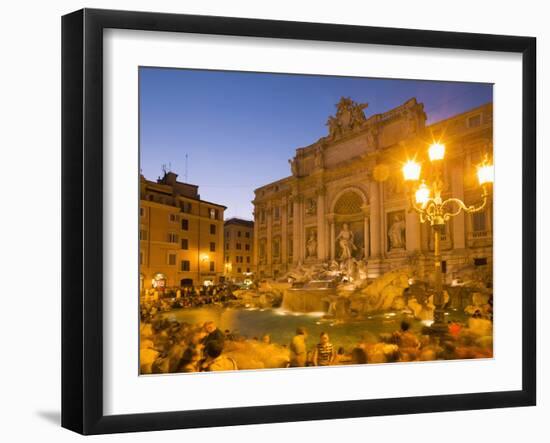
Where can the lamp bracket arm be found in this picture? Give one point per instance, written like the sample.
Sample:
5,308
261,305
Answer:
461,206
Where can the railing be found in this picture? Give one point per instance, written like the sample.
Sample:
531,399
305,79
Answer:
480,234
480,238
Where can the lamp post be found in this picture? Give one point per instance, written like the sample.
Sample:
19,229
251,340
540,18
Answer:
427,202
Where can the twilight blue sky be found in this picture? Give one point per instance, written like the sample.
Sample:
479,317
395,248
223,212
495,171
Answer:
239,129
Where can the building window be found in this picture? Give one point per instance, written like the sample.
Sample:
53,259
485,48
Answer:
227,246
248,258
444,266
479,223
247,234
276,213
172,238
213,213
474,121
173,218
247,247
290,209
171,259
186,207
185,224
185,265
141,212
140,257
226,234
262,216
238,233
238,246
227,258
212,246
239,270
212,266
480,261
184,243
213,229
142,234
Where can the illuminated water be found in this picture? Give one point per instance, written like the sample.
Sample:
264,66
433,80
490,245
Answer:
282,325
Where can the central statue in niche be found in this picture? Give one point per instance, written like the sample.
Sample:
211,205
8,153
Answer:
346,242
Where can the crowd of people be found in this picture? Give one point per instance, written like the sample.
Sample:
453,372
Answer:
167,346
154,301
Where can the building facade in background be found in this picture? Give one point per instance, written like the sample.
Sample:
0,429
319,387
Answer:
181,236
346,196
239,248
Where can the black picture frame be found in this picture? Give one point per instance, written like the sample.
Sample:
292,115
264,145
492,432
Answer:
82,217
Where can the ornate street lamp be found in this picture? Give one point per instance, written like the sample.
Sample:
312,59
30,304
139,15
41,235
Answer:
426,200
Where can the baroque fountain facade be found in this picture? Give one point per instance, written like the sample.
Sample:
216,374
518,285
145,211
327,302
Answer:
336,235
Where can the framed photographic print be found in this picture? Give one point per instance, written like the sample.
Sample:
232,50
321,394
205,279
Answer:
269,221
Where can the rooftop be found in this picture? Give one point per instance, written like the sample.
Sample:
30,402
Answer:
239,221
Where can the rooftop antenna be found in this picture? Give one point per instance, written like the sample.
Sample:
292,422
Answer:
185,175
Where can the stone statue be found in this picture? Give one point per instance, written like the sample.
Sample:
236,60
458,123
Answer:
371,138
349,117
396,232
311,207
358,116
293,166
311,245
334,129
346,243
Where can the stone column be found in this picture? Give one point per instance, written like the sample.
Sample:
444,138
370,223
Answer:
301,231
366,234
269,230
296,229
255,247
330,219
412,231
284,233
375,218
426,232
321,240
457,190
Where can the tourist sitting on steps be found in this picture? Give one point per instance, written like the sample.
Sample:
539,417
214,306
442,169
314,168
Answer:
323,354
298,349
215,361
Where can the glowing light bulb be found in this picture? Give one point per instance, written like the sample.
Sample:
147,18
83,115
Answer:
436,151
485,173
411,170
422,194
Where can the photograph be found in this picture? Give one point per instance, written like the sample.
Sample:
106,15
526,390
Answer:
294,221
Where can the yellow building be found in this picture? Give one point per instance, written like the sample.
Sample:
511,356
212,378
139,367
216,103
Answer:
239,242
181,236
